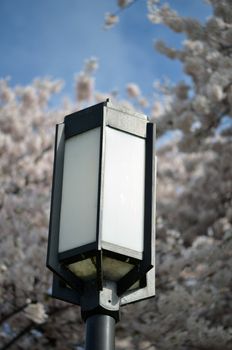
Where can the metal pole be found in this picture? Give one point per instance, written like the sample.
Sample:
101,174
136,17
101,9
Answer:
100,333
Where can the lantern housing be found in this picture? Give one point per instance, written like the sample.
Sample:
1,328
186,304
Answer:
103,208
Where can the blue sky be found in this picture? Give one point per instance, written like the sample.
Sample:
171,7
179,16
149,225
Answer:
54,37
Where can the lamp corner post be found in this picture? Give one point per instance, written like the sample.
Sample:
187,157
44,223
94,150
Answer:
101,246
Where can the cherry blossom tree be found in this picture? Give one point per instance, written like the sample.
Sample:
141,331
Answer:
192,309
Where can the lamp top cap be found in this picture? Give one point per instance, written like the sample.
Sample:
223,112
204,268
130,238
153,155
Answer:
123,109
108,104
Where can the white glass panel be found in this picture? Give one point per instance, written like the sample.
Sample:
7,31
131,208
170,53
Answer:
78,219
123,196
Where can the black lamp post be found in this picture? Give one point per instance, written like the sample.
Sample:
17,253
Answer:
101,236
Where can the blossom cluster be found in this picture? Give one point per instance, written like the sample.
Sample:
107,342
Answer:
192,309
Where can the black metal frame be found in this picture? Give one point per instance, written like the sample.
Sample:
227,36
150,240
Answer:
61,291
84,120
53,241
102,115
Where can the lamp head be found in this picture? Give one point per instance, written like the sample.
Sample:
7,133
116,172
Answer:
103,204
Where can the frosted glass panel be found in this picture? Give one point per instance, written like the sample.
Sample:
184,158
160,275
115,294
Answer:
114,270
78,218
85,269
123,196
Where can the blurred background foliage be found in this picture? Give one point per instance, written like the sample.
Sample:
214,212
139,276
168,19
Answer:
192,309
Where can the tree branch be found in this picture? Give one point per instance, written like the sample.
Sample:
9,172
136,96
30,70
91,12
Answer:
18,336
32,325
11,314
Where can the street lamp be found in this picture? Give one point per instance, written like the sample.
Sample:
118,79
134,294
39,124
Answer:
101,235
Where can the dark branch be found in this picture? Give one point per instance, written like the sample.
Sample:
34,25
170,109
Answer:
18,336
33,326
11,314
